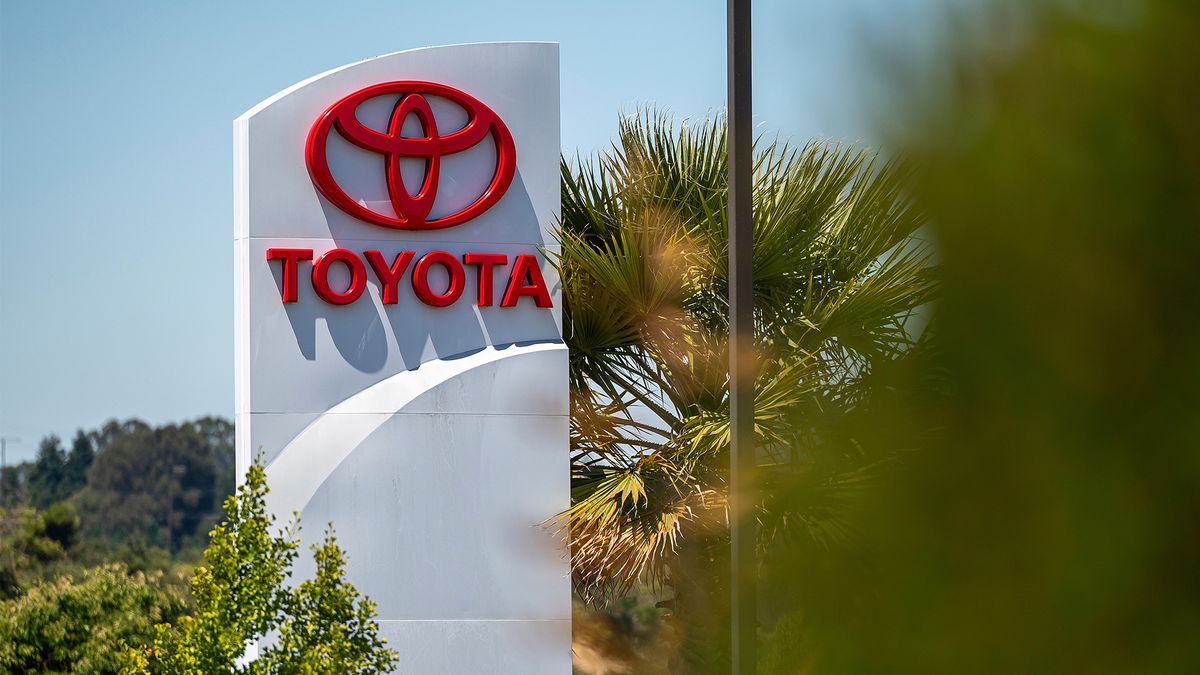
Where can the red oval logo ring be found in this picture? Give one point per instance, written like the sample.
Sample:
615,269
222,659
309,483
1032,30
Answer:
412,211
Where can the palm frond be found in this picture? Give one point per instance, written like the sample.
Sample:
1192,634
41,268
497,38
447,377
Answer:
839,272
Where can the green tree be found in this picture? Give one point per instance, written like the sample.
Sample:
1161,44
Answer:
12,485
77,463
839,272
33,543
321,625
46,478
113,430
154,483
70,626
59,524
218,435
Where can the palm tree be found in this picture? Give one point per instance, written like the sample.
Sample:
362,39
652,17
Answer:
839,272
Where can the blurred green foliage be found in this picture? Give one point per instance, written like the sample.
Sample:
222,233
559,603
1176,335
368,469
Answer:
1045,515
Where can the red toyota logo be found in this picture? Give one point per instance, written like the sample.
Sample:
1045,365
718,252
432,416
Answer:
412,211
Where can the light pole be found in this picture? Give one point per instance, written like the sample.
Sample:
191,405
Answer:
742,492
4,460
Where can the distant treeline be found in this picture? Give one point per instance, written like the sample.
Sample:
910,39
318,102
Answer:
130,483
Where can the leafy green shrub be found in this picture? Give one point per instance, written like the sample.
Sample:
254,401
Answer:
321,625
69,626
60,524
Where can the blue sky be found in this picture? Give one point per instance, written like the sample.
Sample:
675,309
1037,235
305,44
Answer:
116,286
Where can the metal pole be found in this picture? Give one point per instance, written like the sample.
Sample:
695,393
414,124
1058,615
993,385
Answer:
4,460
742,497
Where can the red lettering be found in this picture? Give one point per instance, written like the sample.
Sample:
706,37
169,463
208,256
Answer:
524,280
526,265
485,262
389,275
320,276
420,279
291,258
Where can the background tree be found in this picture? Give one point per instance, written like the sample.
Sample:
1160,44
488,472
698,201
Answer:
113,430
34,546
156,483
187,469
81,626
77,463
13,484
218,435
322,625
1048,524
48,474
839,272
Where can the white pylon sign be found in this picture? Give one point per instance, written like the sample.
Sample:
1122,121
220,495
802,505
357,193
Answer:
399,354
